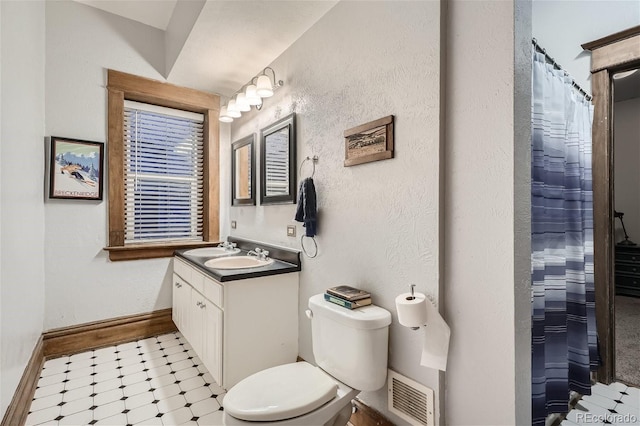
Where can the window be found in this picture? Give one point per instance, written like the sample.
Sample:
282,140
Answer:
162,174
163,168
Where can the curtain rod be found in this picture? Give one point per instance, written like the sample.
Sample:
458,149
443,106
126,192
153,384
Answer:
558,67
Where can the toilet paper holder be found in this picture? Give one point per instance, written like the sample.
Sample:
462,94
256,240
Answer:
412,297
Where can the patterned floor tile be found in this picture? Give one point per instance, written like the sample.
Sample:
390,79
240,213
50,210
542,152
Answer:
216,419
177,417
204,407
77,393
46,402
197,394
154,381
79,418
136,388
108,397
142,413
44,415
48,390
171,403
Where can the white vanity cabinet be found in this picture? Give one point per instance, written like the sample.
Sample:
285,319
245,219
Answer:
238,327
199,320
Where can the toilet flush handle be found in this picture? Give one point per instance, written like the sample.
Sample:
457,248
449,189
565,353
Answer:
309,313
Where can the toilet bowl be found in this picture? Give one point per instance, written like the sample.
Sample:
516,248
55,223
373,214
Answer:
299,394
350,347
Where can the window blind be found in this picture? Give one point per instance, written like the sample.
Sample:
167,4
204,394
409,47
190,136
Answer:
163,174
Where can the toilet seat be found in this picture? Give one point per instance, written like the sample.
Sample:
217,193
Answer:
280,393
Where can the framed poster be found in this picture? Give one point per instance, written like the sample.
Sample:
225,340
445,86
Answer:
75,169
368,142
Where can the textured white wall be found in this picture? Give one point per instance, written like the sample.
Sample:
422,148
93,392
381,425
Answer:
21,189
486,274
82,285
627,170
562,26
379,222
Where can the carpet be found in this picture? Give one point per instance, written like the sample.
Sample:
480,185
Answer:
628,339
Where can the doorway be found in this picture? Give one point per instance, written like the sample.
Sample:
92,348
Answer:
611,55
626,160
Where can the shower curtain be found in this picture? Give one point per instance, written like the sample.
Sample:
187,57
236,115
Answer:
564,341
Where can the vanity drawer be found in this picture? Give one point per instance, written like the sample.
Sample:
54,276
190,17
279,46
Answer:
197,280
213,291
182,269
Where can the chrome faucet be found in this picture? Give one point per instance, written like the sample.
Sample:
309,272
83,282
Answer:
227,245
259,253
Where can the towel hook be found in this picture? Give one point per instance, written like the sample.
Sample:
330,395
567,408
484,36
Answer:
313,160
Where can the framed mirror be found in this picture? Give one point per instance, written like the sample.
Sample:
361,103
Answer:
277,162
243,172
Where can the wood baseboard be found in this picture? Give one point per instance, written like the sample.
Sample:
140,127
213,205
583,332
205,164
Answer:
80,338
367,416
18,409
84,337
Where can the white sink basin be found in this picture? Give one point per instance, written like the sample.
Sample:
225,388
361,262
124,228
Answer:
237,262
211,252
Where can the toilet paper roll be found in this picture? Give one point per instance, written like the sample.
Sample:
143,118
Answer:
412,311
420,311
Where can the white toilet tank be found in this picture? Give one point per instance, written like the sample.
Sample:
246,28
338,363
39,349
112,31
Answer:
351,345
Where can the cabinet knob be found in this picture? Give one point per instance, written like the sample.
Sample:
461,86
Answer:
178,285
198,303
202,306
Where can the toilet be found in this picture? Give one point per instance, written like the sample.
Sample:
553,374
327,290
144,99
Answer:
350,348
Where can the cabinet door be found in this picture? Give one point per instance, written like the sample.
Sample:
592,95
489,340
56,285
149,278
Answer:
181,295
196,318
212,340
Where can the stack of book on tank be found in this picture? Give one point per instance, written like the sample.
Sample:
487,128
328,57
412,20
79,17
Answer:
348,297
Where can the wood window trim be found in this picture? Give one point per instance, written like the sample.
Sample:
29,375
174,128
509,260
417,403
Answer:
616,52
121,87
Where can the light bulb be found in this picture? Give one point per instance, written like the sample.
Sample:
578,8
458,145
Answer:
241,103
263,87
251,96
224,115
232,110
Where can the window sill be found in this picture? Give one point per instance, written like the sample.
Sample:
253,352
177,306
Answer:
152,250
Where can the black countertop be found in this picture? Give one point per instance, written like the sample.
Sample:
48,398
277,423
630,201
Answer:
285,261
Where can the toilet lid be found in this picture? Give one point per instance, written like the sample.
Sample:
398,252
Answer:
280,393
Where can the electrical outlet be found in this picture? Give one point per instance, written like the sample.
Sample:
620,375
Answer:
233,224
291,230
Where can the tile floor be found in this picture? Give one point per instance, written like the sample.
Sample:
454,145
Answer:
155,381
615,404
161,381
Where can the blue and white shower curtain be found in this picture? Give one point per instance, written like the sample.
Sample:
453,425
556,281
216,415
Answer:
564,340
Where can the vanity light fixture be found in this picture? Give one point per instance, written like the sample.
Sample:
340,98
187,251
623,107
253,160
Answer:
251,94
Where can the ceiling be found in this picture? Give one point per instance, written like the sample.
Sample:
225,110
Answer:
219,45
156,13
